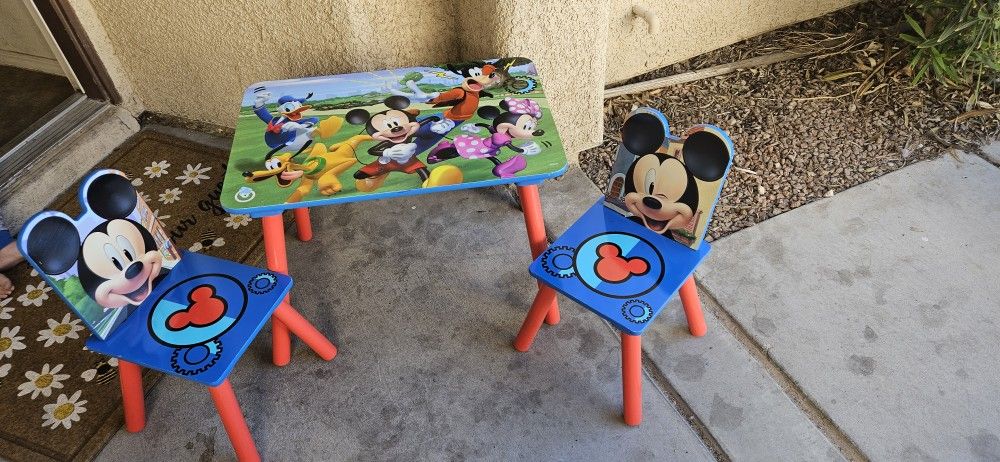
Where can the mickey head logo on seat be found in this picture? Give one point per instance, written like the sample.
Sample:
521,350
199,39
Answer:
612,267
205,309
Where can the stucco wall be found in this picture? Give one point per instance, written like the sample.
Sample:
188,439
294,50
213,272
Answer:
195,61
689,28
550,34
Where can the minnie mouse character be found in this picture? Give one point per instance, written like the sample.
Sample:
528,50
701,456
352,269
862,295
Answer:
517,121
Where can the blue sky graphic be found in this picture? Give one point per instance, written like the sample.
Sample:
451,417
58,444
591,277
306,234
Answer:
359,83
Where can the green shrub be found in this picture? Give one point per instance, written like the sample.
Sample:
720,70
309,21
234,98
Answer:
956,42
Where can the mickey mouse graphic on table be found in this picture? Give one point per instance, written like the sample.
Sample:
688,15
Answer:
401,136
618,260
194,321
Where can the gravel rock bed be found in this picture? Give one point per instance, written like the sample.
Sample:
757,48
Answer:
800,132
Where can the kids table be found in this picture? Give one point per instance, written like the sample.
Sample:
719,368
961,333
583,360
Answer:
317,141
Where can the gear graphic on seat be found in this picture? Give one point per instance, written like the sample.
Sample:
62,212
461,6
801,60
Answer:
558,261
637,311
195,359
262,283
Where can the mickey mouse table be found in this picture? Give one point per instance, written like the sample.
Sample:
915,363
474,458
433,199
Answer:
317,141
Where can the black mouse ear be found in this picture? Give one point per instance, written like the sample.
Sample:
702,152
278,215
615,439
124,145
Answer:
488,112
453,69
643,133
357,117
706,155
53,244
397,102
111,196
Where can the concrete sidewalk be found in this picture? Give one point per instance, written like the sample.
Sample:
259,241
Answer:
862,326
882,306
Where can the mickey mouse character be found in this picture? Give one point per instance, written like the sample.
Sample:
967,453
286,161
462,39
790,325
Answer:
661,188
118,261
517,121
401,136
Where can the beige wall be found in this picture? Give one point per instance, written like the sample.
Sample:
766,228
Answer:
196,61
689,28
549,33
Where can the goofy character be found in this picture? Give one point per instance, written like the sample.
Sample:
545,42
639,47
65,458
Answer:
288,130
462,101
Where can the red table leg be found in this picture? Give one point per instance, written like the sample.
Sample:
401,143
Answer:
632,378
285,317
303,224
544,301
233,421
692,308
277,260
531,205
130,376
306,331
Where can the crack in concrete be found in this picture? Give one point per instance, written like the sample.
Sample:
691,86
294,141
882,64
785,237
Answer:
813,411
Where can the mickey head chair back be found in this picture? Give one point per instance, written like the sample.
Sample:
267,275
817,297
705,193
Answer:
105,262
669,184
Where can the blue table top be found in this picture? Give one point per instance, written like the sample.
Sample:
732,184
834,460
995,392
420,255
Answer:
616,267
199,319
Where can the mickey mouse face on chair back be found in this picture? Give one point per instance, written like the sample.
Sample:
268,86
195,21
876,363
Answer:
673,181
116,259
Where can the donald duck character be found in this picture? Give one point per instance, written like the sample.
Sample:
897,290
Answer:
288,131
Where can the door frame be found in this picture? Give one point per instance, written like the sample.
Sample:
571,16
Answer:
71,38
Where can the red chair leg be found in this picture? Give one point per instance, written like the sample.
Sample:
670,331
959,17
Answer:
544,301
692,308
130,376
281,342
233,421
277,260
531,205
303,224
306,331
632,378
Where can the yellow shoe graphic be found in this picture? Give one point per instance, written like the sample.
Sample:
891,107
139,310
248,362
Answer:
443,175
370,184
328,126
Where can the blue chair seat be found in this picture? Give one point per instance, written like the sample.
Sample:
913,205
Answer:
617,268
199,319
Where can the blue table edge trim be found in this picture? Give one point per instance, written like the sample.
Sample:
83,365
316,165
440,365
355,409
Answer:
267,210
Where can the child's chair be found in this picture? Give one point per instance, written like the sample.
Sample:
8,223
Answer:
192,317
633,249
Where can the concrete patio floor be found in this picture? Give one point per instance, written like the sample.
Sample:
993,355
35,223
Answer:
861,326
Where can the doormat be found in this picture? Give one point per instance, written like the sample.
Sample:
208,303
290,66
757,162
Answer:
59,401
